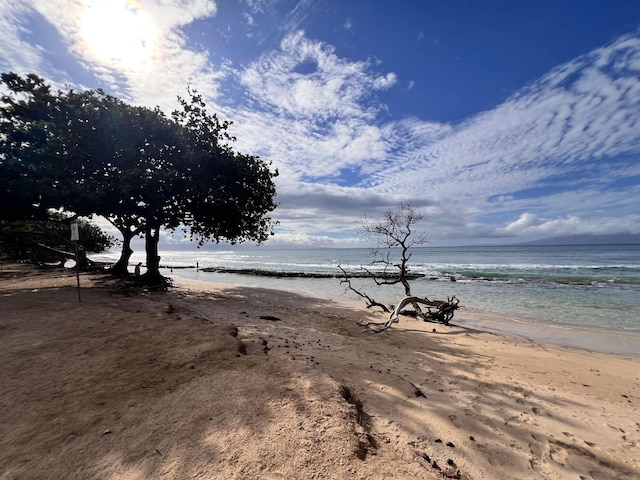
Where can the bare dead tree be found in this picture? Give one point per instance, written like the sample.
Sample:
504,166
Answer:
394,231
395,235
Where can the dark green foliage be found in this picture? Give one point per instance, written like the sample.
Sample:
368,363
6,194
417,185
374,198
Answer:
231,195
90,153
23,136
48,240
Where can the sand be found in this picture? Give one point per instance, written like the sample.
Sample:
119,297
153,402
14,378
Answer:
195,384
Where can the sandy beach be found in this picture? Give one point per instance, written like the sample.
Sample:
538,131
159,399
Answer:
219,381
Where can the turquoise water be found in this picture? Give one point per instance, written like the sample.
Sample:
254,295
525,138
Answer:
595,287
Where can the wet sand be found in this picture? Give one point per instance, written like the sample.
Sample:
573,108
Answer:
590,339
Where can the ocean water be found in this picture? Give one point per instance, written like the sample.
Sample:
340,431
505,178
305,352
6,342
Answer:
562,287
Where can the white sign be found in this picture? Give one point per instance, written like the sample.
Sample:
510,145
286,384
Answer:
75,236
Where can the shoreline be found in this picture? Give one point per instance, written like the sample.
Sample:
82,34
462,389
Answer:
594,305
224,381
564,335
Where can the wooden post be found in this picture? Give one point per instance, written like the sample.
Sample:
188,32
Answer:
75,237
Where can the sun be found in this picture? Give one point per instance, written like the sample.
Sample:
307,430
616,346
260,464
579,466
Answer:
120,33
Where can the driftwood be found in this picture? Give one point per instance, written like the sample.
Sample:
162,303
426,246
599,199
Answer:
370,301
436,311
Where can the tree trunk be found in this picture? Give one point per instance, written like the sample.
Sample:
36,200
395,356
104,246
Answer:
121,267
152,236
407,289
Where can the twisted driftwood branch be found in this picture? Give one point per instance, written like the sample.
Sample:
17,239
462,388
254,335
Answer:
437,311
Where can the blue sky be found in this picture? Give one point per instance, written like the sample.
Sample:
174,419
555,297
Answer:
501,121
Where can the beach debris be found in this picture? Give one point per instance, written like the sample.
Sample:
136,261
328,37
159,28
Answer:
417,392
107,431
270,318
437,311
451,473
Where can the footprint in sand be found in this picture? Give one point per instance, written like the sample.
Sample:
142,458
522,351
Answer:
490,423
538,411
536,448
454,420
475,404
559,456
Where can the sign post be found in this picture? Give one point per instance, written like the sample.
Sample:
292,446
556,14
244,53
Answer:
75,237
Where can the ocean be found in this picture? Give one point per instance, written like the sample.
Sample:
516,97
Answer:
564,291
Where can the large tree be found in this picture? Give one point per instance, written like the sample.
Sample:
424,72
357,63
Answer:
59,150
91,153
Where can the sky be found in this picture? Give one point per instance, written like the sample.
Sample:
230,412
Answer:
499,121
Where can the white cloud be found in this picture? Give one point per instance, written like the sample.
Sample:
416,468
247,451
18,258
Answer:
556,130
326,88
257,6
385,82
310,111
317,117
526,220
250,21
302,239
18,55
563,124
297,17
155,80
532,226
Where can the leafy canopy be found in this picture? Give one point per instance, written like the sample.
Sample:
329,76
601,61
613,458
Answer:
91,153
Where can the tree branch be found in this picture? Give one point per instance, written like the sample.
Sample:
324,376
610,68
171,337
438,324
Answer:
370,301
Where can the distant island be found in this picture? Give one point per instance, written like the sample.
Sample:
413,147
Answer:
614,239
